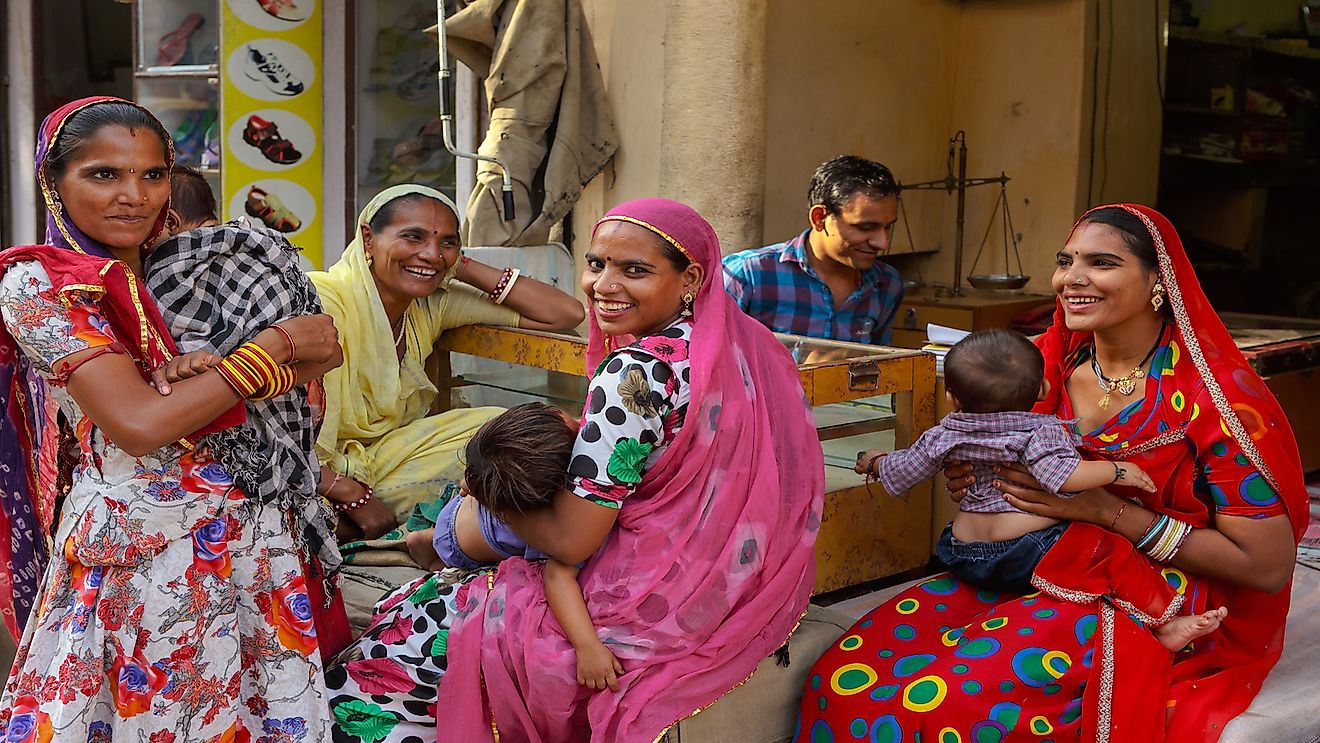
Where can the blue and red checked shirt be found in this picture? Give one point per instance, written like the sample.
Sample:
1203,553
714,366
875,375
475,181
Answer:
777,286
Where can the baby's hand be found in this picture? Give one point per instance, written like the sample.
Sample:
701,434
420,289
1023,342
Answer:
597,667
182,367
1132,475
867,460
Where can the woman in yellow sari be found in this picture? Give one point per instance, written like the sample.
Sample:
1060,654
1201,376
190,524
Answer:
392,294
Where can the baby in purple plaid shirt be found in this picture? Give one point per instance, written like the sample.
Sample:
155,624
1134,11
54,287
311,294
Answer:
993,378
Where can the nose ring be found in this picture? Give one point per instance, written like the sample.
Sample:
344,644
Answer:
614,287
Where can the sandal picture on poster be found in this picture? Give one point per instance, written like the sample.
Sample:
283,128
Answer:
273,15
271,139
276,203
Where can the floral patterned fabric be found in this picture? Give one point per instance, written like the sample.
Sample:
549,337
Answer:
383,687
173,608
636,403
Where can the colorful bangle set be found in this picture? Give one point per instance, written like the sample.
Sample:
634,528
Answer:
1164,537
253,373
508,278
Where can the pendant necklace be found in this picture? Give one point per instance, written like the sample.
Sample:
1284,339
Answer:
398,335
1126,384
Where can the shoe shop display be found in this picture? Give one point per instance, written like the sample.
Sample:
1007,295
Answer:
190,136
265,136
285,10
270,210
175,46
266,68
421,84
211,151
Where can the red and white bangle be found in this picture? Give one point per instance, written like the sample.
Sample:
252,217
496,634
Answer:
360,502
508,278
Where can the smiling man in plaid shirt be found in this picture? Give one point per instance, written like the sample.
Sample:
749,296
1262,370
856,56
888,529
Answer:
830,281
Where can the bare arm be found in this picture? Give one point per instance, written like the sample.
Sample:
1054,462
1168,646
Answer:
570,531
1099,473
542,307
1253,553
134,416
139,419
564,595
597,666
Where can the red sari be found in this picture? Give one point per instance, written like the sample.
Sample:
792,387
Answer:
1070,662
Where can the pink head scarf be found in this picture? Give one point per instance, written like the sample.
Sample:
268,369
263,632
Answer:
708,569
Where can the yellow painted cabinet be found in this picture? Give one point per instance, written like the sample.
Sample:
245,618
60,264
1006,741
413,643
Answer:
864,397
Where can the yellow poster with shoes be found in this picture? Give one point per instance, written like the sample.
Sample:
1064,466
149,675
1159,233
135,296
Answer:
270,64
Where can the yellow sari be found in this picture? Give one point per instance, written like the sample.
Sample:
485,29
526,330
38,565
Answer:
376,427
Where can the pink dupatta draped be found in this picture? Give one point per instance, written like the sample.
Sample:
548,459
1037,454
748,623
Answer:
706,573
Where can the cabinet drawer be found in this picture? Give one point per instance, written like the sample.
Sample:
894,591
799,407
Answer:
915,317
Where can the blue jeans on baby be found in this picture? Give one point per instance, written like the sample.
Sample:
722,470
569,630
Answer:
998,566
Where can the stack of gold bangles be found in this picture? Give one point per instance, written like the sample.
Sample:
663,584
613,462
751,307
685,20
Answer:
253,373
1164,537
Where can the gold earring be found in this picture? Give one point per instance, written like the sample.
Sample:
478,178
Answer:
687,304
1157,296
370,260
55,205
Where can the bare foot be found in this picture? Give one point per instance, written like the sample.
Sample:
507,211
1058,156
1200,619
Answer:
1176,634
422,550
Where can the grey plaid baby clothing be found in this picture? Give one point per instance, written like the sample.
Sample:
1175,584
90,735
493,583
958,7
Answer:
1045,444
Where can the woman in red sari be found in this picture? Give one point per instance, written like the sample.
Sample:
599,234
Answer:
1133,333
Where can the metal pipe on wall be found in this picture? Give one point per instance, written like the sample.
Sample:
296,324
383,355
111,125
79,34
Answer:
447,115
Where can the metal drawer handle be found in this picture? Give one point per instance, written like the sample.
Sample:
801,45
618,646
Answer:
864,376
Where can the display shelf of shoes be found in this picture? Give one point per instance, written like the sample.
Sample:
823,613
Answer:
397,128
864,397
176,75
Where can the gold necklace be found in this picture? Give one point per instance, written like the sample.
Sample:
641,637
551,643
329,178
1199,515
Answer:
1126,384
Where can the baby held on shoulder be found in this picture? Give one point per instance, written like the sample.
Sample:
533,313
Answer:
518,462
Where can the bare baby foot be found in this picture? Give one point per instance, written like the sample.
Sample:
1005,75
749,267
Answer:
1176,634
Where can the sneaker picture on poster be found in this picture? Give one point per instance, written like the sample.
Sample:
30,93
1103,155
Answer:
271,69
273,15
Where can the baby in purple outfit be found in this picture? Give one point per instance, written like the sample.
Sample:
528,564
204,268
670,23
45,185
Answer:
518,462
993,378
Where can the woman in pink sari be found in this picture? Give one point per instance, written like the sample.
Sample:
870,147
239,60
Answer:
694,499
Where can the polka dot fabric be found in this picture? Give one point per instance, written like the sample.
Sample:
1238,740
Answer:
945,661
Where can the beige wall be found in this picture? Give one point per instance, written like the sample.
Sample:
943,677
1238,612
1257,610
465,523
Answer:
889,80
686,82
900,77
874,79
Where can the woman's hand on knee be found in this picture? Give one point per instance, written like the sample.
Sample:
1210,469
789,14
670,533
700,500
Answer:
373,518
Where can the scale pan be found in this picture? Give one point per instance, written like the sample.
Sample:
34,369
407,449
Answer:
998,281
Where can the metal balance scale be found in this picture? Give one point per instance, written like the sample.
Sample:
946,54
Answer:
959,184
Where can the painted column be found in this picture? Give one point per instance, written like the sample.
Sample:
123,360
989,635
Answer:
712,132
